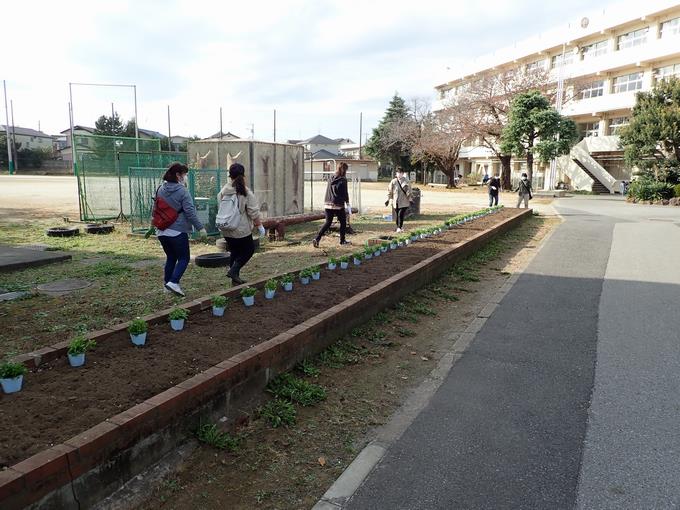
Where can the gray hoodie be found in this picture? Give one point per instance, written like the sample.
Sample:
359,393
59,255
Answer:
249,208
178,197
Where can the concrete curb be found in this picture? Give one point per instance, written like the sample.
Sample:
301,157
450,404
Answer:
342,490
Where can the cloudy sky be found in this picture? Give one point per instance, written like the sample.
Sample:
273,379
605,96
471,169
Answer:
319,63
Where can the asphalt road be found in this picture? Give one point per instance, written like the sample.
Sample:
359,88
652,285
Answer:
568,396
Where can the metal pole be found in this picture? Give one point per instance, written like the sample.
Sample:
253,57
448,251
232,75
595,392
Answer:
361,126
311,180
113,112
221,123
10,156
169,132
274,124
134,87
14,135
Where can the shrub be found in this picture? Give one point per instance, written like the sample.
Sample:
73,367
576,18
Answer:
306,273
138,326
287,278
645,189
178,314
80,345
10,370
333,260
248,291
676,190
344,258
209,434
359,255
278,412
271,284
219,301
315,269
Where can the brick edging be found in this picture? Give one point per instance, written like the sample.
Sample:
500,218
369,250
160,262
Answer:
44,473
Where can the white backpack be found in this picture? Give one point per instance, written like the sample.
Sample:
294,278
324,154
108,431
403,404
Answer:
228,215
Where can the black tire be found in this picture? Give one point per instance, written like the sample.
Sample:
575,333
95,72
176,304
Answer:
96,228
213,260
62,231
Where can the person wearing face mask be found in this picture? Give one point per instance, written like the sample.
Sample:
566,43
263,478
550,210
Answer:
240,239
175,238
399,192
524,191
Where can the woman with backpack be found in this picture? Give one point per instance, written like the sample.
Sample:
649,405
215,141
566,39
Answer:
239,213
399,191
173,216
336,198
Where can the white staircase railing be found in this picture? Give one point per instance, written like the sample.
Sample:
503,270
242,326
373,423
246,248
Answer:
579,178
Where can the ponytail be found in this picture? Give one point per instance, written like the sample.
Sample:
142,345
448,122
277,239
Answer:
239,183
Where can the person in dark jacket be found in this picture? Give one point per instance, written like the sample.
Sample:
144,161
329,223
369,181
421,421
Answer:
494,185
336,204
175,238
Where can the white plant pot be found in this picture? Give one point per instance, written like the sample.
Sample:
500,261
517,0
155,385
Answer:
12,384
218,311
177,324
139,339
269,294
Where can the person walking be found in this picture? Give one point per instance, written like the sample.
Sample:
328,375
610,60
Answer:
399,192
494,185
524,191
175,238
336,204
247,216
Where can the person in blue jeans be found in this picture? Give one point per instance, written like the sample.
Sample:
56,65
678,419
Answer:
175,238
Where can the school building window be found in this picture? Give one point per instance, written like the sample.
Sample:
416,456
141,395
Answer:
666,72
566,59
628,83
594,89
533,66
670,27
595,49
591,129
632,39
616,124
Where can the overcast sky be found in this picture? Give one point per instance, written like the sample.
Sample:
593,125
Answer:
318,62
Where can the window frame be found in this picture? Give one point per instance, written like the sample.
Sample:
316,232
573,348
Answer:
597,46
616,86
613,128
662,77
632,39
673,24
591,88
593,131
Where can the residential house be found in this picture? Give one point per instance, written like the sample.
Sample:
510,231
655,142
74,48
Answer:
27,138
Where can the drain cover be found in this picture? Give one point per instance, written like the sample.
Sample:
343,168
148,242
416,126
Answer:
63,286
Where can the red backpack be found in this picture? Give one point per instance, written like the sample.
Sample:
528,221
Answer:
163,214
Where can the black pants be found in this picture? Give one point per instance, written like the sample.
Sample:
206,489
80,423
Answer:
241,249
342,218
493,198
399,215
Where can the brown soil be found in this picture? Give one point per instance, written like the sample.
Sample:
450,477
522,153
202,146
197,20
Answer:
58,401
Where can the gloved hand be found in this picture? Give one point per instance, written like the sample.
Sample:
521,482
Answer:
348,210
261,230
202,233
387,202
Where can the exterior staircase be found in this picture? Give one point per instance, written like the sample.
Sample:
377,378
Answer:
598,187
584,171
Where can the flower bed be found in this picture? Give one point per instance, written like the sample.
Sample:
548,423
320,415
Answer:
58,402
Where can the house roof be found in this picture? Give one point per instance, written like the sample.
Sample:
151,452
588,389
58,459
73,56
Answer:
25,131
344,140
228,135
320,140
293,142
78,128
324,154
149,132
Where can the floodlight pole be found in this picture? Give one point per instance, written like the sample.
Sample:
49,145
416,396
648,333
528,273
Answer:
274,125
136,121
14,134
10,156
169,133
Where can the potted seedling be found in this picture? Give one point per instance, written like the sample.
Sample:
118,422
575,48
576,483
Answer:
384,246
357,257
368,253
400,242
270,288
393,244
376,250
414,236
248,295
219,303
287,282
332,263
77,349
12,376
138,329
177,318
344,262
305,276
316,272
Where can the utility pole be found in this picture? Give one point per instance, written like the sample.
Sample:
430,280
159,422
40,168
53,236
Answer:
14,135
252,131
9,147
361,126
274,124
221,123
169,132
113,113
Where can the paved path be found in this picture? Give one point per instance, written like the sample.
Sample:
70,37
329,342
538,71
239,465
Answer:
568,395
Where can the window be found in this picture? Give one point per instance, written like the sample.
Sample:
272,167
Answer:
594,89
595,49
533,66
670,27
567,58
663,73
628,83
616,124
591,129
632,39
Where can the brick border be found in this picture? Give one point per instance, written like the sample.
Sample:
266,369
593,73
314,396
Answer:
99,460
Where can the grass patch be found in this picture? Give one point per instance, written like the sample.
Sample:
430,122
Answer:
340,354
288,387
405,332
209,434
278,413
307,368
109,268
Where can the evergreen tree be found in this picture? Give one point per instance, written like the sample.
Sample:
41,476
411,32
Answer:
536,129
385,147
109,126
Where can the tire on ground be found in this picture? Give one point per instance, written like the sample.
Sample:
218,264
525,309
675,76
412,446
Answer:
62,231
213,260
96,228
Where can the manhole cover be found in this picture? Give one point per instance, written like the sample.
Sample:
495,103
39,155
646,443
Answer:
11,296
63,286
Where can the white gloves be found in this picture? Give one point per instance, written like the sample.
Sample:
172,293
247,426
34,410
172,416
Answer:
202,233
261,230
348,209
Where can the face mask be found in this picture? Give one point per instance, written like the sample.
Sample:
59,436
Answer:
400,176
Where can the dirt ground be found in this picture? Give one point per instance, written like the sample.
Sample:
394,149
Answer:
291,467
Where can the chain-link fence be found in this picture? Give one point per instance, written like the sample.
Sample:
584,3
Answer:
102,166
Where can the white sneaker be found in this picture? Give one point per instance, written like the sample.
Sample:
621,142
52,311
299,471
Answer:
174,288
399,230
165,290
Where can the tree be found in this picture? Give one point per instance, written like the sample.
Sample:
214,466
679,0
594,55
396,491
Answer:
652,139
382,145
535,128
109,126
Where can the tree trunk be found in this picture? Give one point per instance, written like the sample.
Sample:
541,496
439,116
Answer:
452,179
506,173
530,165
